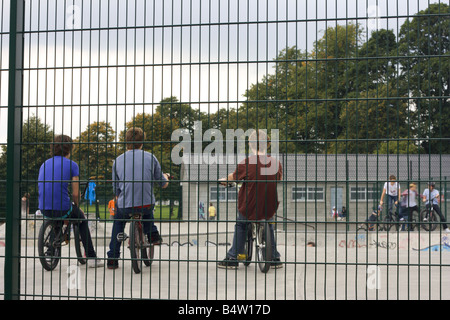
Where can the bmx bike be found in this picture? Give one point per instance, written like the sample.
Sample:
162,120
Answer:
141,250
429,218
394,220
259,237
54,234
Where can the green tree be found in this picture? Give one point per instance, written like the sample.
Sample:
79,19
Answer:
35,149
375,64
371,122
94,152
424,47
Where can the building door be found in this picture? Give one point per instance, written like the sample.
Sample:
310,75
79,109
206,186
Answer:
336,199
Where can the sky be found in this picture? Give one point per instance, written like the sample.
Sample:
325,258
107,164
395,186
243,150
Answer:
206,53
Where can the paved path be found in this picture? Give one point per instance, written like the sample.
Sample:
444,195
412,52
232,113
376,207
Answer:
340,266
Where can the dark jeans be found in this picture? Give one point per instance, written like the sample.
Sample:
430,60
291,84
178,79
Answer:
120,219
441,216
391,202
83,227
406,213
240,235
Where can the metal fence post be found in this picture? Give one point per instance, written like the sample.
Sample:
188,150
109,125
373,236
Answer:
12,252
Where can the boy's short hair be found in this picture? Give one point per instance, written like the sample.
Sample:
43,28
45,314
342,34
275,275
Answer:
135,138
259,140
392,177
412,185
62,146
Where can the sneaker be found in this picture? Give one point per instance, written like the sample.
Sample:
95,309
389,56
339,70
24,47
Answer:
276,264
112,264
156,238
447,230
228,263
95,263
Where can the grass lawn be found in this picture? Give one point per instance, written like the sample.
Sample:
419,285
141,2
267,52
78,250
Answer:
160,212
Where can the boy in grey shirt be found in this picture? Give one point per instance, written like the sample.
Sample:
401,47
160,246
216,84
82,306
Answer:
134,174
431,199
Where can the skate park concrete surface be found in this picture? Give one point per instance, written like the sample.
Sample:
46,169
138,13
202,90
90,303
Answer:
319,262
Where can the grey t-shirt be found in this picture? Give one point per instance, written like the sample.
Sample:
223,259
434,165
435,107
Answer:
134,174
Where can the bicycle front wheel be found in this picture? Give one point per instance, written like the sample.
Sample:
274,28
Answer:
248,246
390,222
48,248
415,217
263,247
428,217
135,245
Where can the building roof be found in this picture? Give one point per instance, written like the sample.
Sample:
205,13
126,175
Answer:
334,168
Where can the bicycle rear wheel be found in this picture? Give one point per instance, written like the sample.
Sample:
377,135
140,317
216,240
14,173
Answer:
48,248
263,247
428,217
77,239
135,245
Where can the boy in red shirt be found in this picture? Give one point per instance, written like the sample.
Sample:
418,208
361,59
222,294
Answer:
257,198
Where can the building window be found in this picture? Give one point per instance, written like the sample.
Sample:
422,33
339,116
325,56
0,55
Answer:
363,193
223,194
308,194
446,194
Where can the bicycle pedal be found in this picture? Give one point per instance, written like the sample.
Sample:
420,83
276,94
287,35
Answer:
122,237
242,257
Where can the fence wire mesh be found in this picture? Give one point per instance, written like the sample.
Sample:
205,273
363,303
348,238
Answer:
355,99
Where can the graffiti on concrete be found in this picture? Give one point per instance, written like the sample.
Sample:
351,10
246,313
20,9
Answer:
444,246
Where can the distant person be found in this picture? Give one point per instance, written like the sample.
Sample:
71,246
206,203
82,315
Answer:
211,211
393,191
409,203
201,211
112,208
54,196
431,199
25,205
343,213
334,213
134,175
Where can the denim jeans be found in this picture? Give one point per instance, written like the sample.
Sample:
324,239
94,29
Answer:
438,211
240,236
82,225
391,201
120,220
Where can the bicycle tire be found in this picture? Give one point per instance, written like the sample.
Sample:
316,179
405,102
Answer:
77,239
135,245
431,215
414,224
249,246
263,247
389,222
49,254
147,254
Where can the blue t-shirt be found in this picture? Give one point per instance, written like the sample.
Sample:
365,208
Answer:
55,175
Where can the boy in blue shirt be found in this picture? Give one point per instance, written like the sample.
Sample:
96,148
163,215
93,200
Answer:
430,197
133,175
55,175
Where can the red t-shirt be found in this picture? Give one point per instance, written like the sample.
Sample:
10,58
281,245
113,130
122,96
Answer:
258,198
